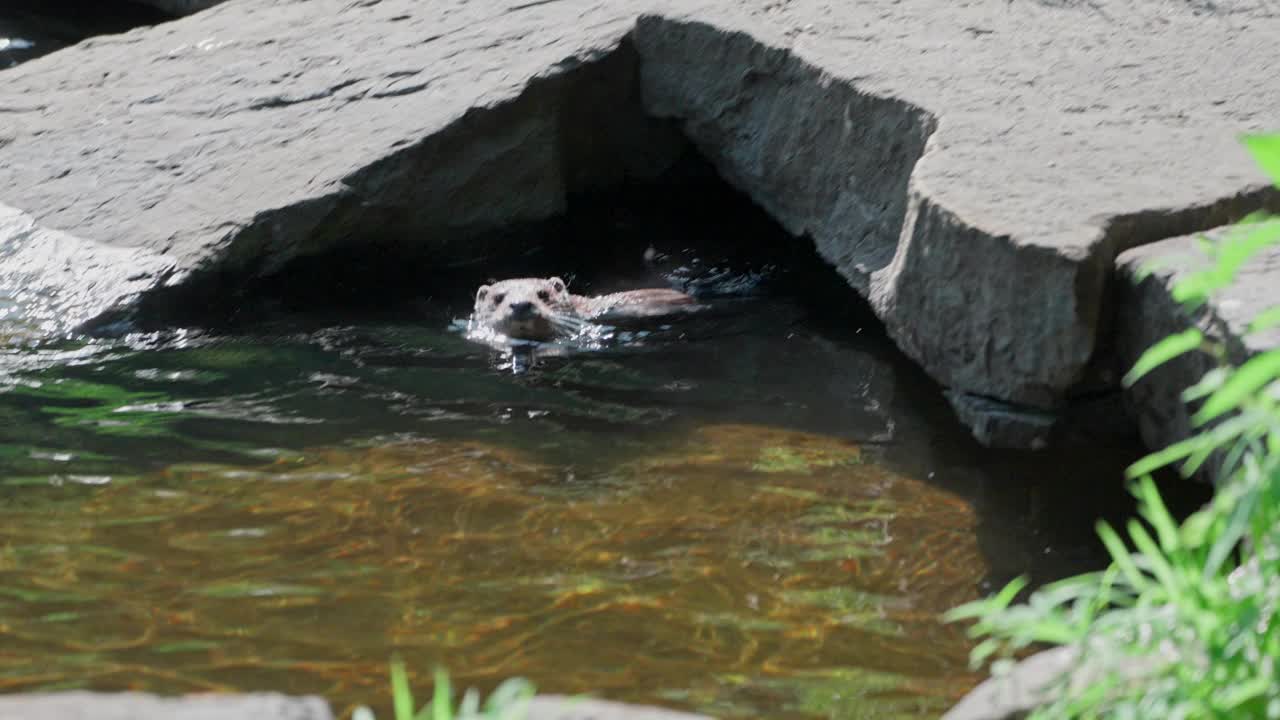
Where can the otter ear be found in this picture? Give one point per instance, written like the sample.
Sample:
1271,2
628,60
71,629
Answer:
482,293
558,284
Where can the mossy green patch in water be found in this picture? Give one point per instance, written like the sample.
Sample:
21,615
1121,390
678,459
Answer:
790,460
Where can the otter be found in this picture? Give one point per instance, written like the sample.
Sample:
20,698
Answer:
542,309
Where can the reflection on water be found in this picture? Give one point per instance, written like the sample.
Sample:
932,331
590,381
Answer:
746,515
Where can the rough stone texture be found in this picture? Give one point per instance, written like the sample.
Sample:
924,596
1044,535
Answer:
50,279
555,707
972,168
139,706
1014,695
272,706
1148,314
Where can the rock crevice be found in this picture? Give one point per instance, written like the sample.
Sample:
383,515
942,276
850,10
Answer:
974,187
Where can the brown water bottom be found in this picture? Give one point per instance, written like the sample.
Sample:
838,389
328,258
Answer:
749,524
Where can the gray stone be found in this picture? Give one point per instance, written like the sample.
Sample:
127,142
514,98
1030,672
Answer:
973,169
555,707
1148,313
51,281
140,706
1014,695
273,706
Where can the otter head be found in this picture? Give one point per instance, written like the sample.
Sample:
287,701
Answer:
525,308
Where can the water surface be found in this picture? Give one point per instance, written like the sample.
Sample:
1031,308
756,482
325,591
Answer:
750,514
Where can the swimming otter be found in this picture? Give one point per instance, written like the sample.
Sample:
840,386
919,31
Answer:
543,308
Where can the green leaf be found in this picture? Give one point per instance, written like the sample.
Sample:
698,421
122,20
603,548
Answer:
1258,372
1121,557
442,699
510,698
1164,351
401,694
1265,320
983,652
1156,460
1231,252
1209,382
1156,513
1154,559
1237,695
1265,150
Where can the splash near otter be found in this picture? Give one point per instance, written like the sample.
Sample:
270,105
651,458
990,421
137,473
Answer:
543,310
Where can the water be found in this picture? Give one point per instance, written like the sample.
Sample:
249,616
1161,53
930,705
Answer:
752,513
757,511
31,28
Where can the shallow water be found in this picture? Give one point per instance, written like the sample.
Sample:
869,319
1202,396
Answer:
750,514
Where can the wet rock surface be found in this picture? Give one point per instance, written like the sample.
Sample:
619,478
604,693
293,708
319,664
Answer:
972,170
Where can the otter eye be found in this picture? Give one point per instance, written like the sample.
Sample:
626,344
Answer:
544,296
497,299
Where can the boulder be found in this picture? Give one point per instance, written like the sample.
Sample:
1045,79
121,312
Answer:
971,169
273,706
141,706
1015,694
1148,313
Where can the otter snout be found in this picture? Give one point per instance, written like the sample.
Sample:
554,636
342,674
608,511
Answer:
521,310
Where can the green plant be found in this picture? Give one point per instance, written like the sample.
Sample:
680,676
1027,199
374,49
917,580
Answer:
1185,622
510,701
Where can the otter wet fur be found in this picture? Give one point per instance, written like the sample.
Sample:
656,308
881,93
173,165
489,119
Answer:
543,309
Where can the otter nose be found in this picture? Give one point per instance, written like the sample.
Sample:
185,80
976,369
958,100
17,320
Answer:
522,309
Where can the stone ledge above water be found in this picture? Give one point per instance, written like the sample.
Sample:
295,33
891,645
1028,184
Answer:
140,706
273,706
961,165
1148,313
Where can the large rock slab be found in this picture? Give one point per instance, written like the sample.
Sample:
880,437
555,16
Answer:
140,706
972,169
1148,314
273,706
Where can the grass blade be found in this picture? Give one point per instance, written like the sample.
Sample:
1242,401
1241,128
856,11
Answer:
1265,320
1258,372
442,698
401,694
1265,150
1164,351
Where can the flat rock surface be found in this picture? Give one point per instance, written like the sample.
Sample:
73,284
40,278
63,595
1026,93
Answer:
139,706
272,706
973,169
